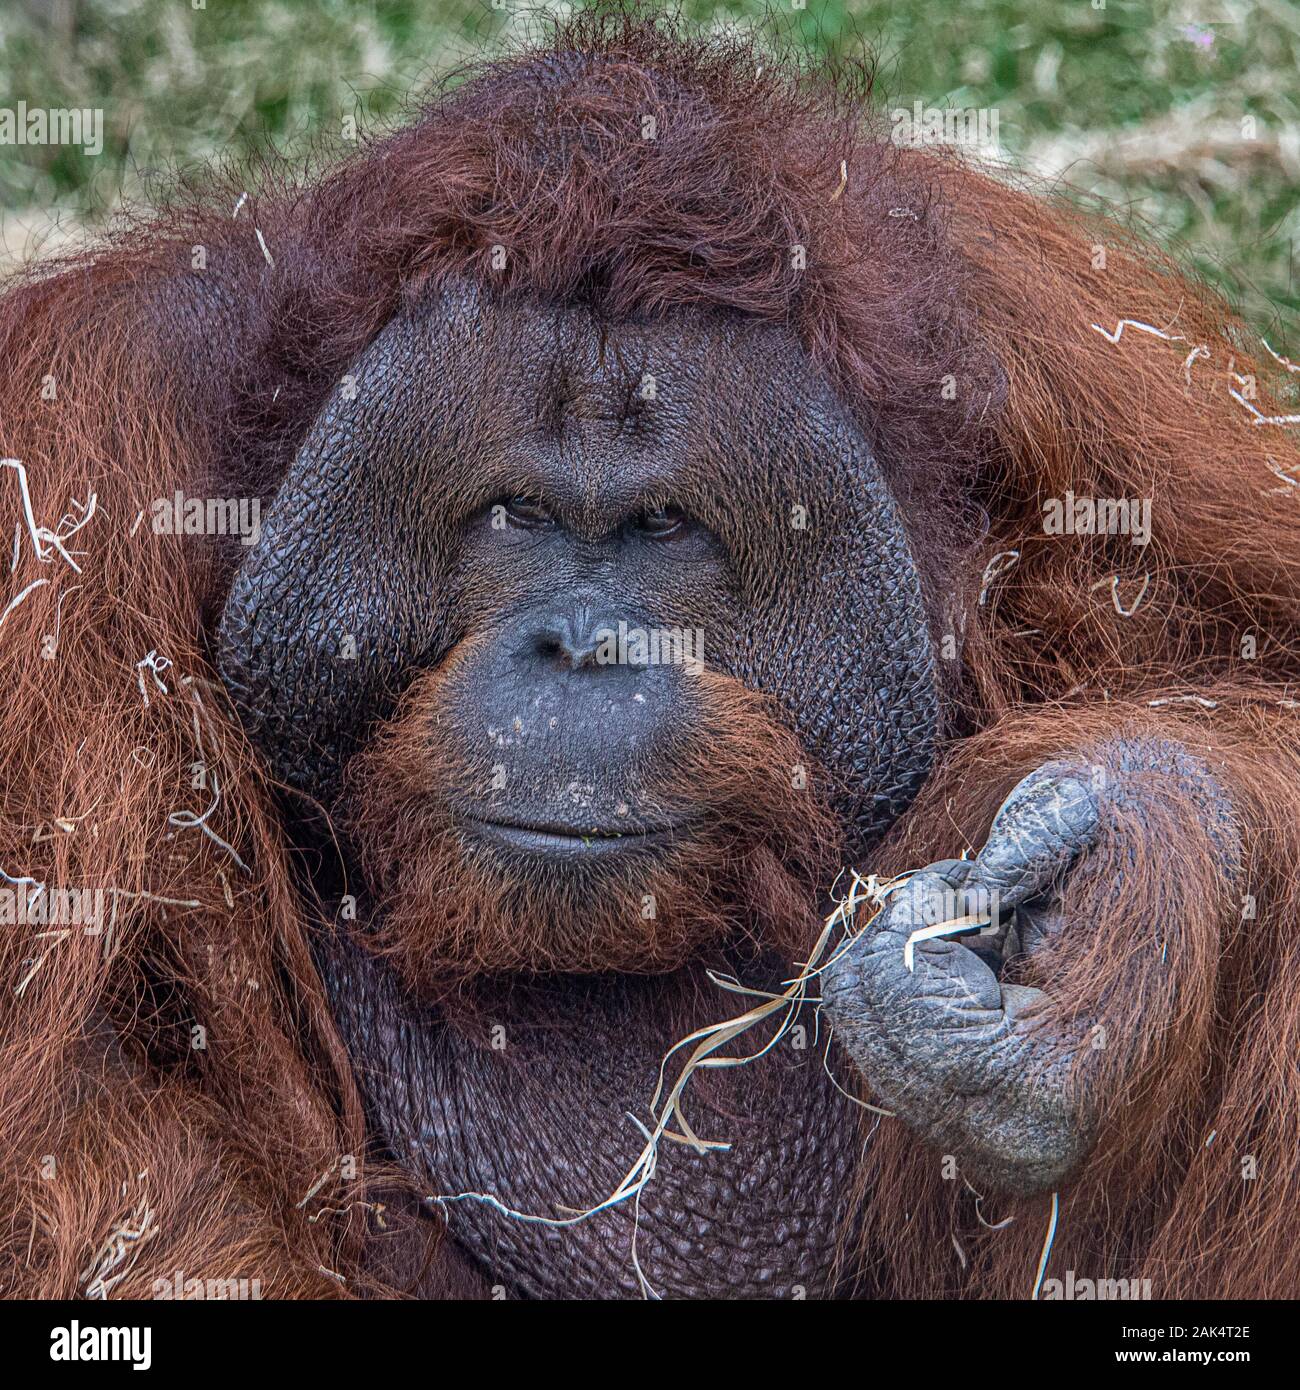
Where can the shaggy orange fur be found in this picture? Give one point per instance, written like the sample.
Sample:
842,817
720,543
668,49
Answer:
173,1094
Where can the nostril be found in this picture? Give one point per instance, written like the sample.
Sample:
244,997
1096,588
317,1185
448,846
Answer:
559,642
549,646
574,642
579,647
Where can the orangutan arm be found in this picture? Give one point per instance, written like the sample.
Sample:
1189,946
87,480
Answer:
1010,1049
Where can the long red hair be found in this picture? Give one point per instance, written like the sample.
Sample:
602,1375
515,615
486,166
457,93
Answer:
172,1090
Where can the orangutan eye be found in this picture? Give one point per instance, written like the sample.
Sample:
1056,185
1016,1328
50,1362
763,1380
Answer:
527,512
661,522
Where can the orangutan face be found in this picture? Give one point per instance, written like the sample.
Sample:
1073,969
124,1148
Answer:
640,615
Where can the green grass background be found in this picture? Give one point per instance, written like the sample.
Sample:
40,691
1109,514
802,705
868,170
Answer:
1146,104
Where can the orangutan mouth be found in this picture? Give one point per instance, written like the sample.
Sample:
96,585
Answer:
568,840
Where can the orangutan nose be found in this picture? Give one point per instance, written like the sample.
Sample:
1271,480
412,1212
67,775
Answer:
580,639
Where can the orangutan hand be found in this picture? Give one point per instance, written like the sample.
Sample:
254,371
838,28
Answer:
941,1040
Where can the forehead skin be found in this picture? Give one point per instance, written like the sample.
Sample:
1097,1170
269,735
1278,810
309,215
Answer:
471,400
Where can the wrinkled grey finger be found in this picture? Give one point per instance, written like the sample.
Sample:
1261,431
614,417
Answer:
1051,818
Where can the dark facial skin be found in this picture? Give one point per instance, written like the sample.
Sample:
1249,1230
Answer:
490,490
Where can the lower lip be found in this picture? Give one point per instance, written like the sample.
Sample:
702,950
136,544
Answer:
549,842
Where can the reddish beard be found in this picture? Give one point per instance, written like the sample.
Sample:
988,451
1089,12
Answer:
757,843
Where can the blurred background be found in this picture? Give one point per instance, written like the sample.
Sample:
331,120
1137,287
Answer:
1185,114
